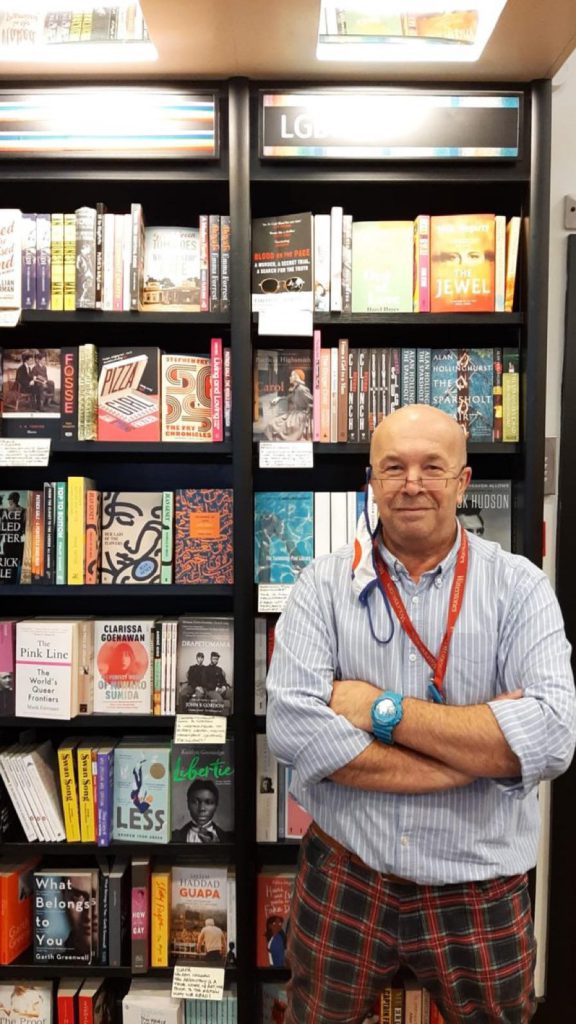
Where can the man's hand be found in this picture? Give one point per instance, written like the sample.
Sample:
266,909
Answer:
353,699
513,695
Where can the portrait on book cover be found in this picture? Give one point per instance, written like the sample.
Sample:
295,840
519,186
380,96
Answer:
203,794
31,391
283,396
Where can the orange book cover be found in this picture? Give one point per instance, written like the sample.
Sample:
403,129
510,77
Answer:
203,536
462,259
273,895
36,503
16,894
93,533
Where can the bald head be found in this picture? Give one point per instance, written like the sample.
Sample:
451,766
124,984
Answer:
420,426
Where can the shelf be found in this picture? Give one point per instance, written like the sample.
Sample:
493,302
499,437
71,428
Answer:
168,449
220,852
103,591
105,318
423,319
26,969
353,449
98,723
285,851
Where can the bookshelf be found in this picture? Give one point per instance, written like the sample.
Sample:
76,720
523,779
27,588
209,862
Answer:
242,184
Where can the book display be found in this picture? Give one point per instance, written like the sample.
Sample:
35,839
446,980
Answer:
134,562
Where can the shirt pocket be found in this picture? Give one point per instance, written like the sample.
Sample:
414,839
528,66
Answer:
472,675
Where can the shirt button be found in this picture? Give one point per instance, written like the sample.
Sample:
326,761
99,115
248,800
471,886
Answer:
412,657
404,840
414,600
438,582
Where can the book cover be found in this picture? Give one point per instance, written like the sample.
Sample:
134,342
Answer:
203,536
43,261
199,925
443,377
7,666
149,1001
266,792
25,1002
486,510
160,916
462,248
123,651
283,535
28,244
283,400
282,249
31,392
16,887
382,266
131,537
171,270
203,793
67,1000
142,790
13,516
64,908
47,669
273,896
129,394
85,296
10,259
186,398
92,551
205,665
67,765
480,394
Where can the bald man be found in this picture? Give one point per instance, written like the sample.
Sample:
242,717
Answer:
421,689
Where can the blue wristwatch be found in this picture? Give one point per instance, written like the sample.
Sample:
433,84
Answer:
386,712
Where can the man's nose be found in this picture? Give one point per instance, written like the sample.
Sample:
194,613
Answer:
414,482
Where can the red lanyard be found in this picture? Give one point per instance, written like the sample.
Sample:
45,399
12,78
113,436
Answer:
439,664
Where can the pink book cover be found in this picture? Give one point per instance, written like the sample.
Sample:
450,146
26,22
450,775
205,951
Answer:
216,361
7,693
422,262
297,819
316,346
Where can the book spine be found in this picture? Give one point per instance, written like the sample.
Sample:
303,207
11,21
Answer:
28,291
93,534
512,247
347,263
511,396
36,501
86,795
500,264
99,266
216,393
422,263
105,786
69,791
85,257
225,249
140,915
325,369
43,261
166,574
91,386
394,389
116,913
136,255
157,684
463,390
160,919
65,1007
497,428
227,393
342,432
363,371
316,350
86,667
104,917
352,394
334,370
322,263
127,261
408,377
204,246
423,376
57,261
214,245
373,393
118,263
108,262
76,526
336,215
49,534
69,262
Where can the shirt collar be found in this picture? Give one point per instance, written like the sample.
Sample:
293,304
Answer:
397,568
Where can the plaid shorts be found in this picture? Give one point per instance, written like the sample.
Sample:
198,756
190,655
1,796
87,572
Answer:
471,945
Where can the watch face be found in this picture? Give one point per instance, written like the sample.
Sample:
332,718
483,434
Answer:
386,708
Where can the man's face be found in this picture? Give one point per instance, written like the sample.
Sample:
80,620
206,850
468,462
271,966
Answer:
202,806
417,515
214,659
199,658
472,522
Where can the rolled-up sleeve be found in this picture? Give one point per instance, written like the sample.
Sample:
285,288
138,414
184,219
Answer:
302,729
540,728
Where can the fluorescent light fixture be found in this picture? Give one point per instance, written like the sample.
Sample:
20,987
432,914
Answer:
45,31
401,31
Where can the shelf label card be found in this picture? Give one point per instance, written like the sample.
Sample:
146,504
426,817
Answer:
9,317
197,982
200,729
24,451
286,455
273,596
286,321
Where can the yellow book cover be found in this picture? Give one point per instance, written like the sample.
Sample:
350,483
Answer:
69,262
77,487
57,261
86,31
86,792
462,257
160,913
512,246
69,789
511,395
75,27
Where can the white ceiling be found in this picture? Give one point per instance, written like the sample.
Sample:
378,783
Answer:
276,39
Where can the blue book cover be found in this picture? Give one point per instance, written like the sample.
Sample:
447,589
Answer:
443,379
481,393
65,915
142,790
105,789
283,535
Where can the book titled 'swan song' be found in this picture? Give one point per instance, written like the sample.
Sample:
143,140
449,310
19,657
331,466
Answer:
123,666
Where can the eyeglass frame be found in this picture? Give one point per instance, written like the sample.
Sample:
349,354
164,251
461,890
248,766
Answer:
401,482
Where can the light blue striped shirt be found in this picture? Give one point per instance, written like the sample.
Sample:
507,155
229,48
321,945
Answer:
509,635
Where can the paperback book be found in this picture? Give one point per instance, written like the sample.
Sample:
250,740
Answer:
462,261
142,790
186,398
47,668
129,394
284,535
65,916
205,665
199,924
171,270
123,651
203,536
131,537
282,395
282,250
203,793
26,1002
273,896
486,510
31,392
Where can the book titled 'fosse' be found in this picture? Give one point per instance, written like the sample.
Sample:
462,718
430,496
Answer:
203,536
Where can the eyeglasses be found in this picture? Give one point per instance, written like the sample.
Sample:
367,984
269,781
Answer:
396,480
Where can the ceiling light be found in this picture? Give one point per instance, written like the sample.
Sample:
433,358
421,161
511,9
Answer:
44,31
405,30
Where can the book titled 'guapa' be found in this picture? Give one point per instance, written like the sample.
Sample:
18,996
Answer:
203,536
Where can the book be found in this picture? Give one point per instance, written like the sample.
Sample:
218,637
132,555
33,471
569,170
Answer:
67,765
142,790
186,398
160,916
512,247
31,392
205,665
129,394
273,1003
119,910
282,395
13,514
28,246
462,256
480,394
131,537
171,269
283,535
123,657
64,910
202,793
273,896
444,374
47,668
78,486
25,1001
85,297
322,263
382,266
486,510
511,395
199,923
203,536
282,251
266,792
92,552
151,1001
95,1002
16,887
10,259
57,261
69,262
67,1000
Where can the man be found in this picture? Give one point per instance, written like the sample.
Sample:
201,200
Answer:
202,799
215,679
212,941
423,797
28,382
42,378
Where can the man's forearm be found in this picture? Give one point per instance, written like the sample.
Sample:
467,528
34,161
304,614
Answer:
397,770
